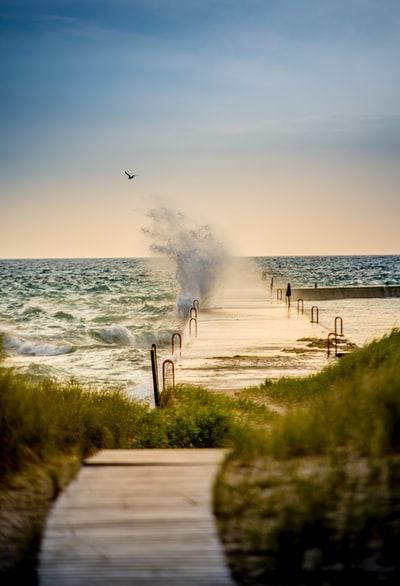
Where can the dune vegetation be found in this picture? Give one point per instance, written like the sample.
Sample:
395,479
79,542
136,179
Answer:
310,489
314,498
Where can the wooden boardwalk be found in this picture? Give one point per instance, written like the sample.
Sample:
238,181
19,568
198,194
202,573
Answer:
137,517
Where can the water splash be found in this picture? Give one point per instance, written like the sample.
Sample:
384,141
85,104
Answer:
198,256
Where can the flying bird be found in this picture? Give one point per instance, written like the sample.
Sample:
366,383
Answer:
130,176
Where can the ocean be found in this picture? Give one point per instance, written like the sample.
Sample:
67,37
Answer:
95,320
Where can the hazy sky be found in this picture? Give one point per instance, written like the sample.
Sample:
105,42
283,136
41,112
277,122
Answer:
276,122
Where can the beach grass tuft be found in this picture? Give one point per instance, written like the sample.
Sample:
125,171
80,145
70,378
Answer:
316,499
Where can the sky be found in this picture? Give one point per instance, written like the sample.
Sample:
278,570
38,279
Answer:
276,123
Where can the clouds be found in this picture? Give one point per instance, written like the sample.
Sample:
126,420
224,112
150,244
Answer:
190,91
280,57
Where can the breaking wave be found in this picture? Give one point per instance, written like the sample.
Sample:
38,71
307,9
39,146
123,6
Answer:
34,348
114,334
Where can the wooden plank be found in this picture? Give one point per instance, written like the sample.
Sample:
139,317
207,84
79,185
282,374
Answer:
125,520
158,456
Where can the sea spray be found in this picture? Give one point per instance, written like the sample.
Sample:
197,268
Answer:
198,257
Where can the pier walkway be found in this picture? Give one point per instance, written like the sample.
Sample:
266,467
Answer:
137,518
144,517
246,336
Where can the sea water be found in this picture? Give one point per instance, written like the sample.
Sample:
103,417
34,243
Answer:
95,320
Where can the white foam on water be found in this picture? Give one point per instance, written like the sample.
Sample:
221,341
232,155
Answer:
116,334
27,348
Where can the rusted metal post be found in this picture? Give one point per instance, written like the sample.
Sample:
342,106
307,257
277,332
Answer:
154,369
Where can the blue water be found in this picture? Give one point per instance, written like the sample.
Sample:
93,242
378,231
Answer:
95,320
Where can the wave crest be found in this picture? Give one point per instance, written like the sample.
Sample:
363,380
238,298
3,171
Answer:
34,349
115,334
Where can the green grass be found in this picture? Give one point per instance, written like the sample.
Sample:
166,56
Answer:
42,420
316,482
47,429
321,486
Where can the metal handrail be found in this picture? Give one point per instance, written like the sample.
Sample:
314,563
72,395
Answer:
176,334
336,342
312,314
340,320
166,363
192,319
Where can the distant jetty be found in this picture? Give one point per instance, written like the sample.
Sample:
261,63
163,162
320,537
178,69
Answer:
367,292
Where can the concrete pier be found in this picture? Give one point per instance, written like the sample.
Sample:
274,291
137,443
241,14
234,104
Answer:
369,292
